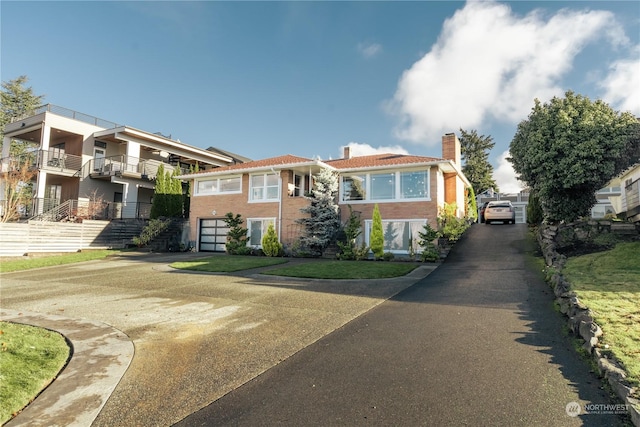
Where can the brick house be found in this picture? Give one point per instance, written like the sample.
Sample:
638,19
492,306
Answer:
408,189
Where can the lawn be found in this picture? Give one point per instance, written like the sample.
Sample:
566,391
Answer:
609,284
22,263
345,270
314,269
228,263
30,358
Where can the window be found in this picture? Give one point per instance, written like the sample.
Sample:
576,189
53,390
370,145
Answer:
219,185
354,187
413,185
264,187
386,186
257,228
398,234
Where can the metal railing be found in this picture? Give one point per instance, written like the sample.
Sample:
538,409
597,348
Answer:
66,112
116,165
71,210
51,158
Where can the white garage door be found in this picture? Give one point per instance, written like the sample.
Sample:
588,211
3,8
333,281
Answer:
213,235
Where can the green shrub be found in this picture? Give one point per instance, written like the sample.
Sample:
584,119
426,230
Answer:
376,238
388,256
535,215
237,235
450,226
426,237
270,244
150,231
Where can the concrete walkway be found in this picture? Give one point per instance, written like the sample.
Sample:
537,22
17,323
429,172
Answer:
196,336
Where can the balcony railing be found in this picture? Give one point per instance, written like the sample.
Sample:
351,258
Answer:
51,159
65,112
119,165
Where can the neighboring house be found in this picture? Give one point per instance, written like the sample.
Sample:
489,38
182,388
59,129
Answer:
408,190
627,202
80,159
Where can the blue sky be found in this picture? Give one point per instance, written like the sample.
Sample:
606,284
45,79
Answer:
263,79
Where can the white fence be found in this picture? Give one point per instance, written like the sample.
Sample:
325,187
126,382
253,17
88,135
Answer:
17,239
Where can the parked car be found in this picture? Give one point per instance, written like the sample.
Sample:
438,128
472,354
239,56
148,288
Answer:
482,209
500,210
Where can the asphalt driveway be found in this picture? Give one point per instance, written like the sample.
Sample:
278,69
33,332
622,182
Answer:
475,343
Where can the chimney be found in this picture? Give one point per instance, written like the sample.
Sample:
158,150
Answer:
451,148
347,152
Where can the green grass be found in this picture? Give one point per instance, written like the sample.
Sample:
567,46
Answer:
228,263
30,358
345,270
609,284
20,263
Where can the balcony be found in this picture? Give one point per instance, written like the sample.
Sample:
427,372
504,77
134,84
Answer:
52,160
126,166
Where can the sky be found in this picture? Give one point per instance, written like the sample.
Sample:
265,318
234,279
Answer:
264,79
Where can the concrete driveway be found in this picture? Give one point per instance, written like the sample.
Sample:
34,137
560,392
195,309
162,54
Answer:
196,336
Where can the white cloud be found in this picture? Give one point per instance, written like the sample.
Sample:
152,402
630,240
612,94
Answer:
505,176
369,50
359,149
490,64
622,84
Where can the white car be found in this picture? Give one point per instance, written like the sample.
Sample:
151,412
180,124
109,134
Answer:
500,210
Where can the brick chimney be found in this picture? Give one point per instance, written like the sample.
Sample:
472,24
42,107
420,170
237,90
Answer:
451,148
347,152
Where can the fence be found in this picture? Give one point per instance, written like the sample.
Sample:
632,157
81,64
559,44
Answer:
17,239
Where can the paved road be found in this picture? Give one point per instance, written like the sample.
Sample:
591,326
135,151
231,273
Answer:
477,342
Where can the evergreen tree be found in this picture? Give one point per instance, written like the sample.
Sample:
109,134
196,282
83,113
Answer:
17,101
376,239
270,244
571,147
323,222
474,150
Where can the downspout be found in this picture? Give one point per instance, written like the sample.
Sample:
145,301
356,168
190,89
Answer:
279,203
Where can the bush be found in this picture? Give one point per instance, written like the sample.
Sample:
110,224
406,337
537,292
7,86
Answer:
535,215
151,231
237,235
377,236
450,226
270,244
426,237
388,256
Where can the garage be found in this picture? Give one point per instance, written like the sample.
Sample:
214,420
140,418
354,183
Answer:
213,235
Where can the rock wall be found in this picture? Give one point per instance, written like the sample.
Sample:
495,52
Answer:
555,242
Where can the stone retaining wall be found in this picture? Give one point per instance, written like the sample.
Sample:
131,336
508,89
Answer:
552,239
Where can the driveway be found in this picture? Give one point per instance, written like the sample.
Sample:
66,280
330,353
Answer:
196,336
476,343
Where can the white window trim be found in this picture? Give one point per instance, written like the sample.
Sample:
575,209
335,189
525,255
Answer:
197,193
397,191
277,199
262,220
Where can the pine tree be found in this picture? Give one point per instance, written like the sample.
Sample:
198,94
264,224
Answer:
475,155
323,222
17,102
376,239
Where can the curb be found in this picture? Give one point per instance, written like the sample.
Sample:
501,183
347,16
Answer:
100,355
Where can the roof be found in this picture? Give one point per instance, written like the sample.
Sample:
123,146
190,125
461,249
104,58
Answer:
380,160
279,162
